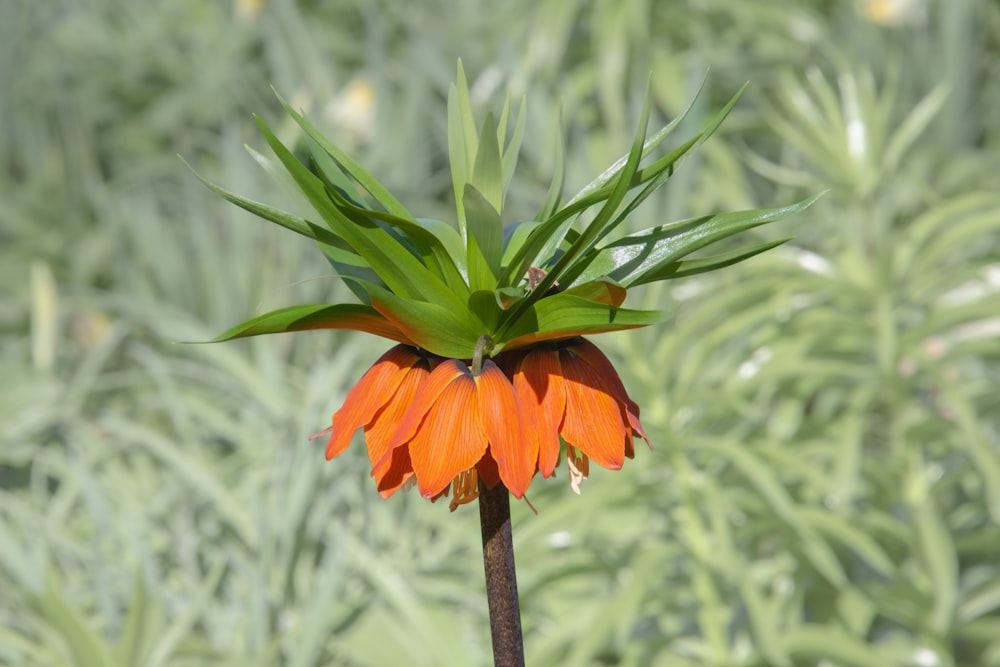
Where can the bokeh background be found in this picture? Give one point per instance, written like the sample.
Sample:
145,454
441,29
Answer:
825,483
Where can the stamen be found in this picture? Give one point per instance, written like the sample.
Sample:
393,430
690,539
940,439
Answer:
579,467
465,488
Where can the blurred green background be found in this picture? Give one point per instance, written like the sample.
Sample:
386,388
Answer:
825,483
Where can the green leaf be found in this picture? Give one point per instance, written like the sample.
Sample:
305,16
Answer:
592,232
295,223
401,271
683,268
487,173
356,171
850,532
484,240
815,643
444,331
655,140
937,550
144,624
651,254
766,483
554,195
513,149
487,305
84,643
356,317
430,241
566,315
462,140
540,246
514,237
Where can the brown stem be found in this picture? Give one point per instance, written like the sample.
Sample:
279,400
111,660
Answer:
501,578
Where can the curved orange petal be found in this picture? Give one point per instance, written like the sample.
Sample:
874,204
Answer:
542,397
592,355
488,472
514,448
593,417
427,395
373,390
450,438
381,430
393,472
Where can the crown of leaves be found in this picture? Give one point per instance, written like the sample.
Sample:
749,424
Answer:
443,287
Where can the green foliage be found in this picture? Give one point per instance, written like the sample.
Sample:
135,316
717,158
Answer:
825,481
421,291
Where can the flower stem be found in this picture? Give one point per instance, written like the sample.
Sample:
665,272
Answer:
501,578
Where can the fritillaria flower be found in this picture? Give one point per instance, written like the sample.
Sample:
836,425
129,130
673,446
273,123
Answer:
571,391
491,379
517,298
438,421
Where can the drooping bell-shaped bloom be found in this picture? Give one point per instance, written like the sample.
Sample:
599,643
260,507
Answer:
571,390
377,403
516,298
436,425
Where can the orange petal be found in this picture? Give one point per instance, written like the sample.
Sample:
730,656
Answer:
514,448
394,473
449,438
593,356
488,473
381,430
633,420
593,419
370,393
428,394
542,397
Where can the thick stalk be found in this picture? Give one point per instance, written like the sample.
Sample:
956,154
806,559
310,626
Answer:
501,578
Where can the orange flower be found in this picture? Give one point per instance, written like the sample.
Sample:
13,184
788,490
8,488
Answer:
433,419
570,389
438,425
377,402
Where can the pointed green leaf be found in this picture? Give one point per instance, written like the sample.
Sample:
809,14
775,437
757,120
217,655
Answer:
462,140
430,241
356,171
503,122
566,315
401,271
356,317
514,237
466,118
456,154
295,223
655,140
484,241
444,331
554,195
589,236
513,149
144,624
652,254
683,268
82,641
487,173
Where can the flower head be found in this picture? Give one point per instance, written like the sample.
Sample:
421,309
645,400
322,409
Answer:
571,391
531,289
438,421
435,420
